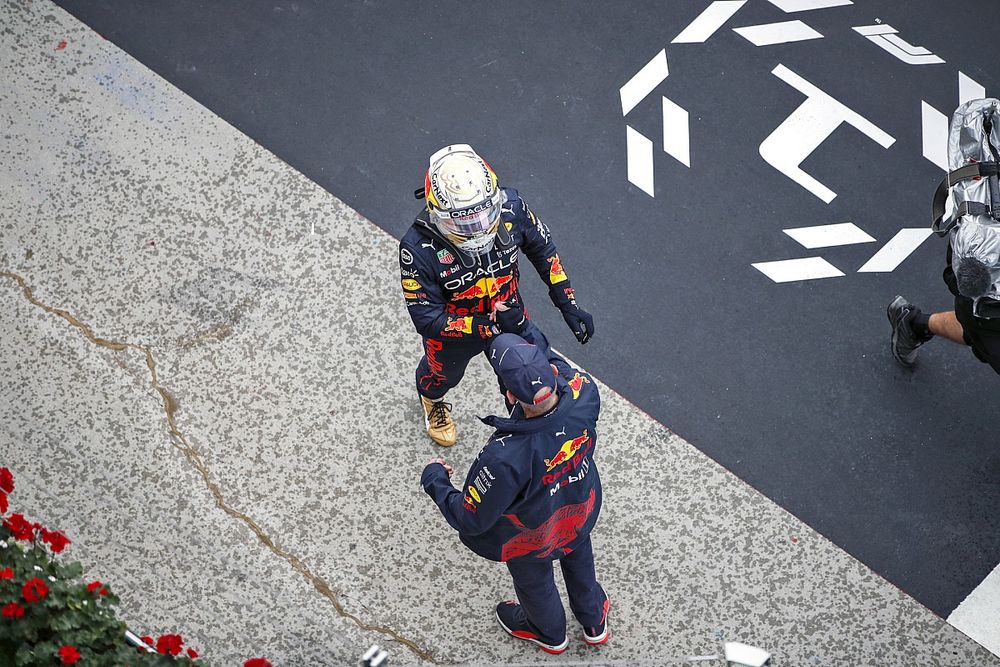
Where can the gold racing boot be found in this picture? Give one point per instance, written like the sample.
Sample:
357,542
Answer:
437,419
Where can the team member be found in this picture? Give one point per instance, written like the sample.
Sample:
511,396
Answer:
975,321
457,260
533,494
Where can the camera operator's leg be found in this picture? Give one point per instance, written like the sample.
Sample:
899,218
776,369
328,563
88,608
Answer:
947,326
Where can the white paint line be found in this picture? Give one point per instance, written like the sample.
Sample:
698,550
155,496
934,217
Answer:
827,236
884,36
708,22
807,268
896,250
806,128
777,33
874,132
877,29
979,614
934,128
969,89
639,150
908,48
908,53
789,6
644,81
676,132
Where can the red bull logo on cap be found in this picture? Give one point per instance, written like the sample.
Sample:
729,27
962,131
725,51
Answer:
566,452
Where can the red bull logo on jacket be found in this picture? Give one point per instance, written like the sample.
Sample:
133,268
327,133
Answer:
460,324
576,384
557,531
556,272
566,452
484,288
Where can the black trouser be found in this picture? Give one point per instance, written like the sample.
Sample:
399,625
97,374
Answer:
985,342
536,591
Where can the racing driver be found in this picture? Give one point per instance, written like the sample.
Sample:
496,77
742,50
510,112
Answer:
458,261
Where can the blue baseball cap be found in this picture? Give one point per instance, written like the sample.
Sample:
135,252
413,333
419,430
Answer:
522,367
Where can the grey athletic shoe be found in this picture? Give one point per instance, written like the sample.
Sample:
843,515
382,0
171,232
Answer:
905,340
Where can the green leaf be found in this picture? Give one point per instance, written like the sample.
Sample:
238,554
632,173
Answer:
72,571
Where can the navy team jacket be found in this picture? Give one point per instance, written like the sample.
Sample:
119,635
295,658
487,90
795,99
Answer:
450,294
533,491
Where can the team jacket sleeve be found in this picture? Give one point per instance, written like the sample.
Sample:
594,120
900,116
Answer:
540,250
490,489
426,303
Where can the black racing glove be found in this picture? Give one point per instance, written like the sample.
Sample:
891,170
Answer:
580,322
511,320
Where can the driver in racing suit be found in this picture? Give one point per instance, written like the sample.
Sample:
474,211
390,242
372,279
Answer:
458,261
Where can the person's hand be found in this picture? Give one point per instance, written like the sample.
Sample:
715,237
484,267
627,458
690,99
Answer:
580,322
510,319
447,468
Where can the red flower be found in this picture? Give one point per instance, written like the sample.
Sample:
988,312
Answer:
103,591
34,590
20,527
12,610
56,539
7,573
257,662
6,480
3,503
171,644
192,653
93,586
69,654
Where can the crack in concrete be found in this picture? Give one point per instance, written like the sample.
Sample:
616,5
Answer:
170,408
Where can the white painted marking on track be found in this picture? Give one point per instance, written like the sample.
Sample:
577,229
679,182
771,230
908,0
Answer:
884,36
877,29
896,250
828,236
807,127
979,614
639,150
676,132
708,22
644,81
806,268
789,6
934,128
768,34
969,89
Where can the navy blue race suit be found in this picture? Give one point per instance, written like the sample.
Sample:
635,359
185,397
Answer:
532,496
450,294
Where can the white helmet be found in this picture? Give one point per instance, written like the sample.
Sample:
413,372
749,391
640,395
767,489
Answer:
463,198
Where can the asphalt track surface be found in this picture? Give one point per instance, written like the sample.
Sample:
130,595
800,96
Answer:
789,385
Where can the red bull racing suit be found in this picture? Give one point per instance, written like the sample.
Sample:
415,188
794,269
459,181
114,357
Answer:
450,294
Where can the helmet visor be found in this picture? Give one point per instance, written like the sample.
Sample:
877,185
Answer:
474,221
